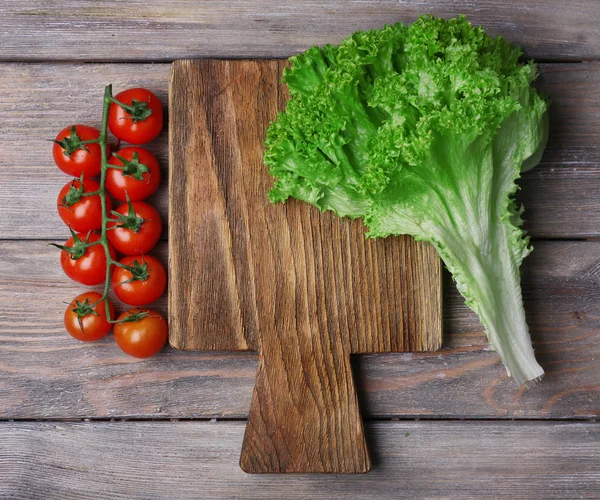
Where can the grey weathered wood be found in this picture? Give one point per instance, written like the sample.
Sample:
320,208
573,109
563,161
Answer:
43,373
135,460
46,374
560,195
163,31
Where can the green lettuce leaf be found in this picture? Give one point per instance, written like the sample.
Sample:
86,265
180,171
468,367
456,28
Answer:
423,130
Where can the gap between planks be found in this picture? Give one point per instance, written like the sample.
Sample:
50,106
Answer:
133,62
366,420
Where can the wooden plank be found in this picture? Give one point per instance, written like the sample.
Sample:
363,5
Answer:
46,374
39,99
131,460
305,289
152,30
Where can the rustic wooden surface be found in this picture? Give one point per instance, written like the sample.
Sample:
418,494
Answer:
560,195
303,288
154,30
40,362
45,375
127,460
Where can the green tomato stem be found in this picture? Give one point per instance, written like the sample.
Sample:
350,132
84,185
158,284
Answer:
126,107
102,141
102,192
123,266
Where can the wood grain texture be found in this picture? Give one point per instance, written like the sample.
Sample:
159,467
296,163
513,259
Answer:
140,460
164,31
306,289
38,99
44,373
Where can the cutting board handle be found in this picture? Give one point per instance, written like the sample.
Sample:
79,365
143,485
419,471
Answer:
304,415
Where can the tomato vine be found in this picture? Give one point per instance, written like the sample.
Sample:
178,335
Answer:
104,166
134,115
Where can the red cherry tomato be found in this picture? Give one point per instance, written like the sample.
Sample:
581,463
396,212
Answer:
85,322
143,335
139,230
83,264
75,158
139,180
141,122
81,213
144,285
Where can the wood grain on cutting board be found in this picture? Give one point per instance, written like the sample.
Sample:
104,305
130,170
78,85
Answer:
304,288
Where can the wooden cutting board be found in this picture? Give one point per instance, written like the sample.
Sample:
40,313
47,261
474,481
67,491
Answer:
303,288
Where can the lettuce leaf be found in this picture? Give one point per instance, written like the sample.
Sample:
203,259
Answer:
423,130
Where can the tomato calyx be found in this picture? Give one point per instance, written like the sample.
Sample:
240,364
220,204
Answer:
133,167
138,110
129,221
79,246
82,309
72,143
139,272
74,194
134,317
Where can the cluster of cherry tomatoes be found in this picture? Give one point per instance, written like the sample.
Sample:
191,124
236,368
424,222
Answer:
98,233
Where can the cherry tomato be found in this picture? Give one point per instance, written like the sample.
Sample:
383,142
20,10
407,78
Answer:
73,157
139,228
85,264
144,284
81,213
85,322
140,178
142,332
141,122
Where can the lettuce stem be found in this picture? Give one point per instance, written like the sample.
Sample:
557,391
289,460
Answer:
490,283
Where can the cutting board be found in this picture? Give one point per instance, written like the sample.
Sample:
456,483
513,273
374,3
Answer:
305,289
